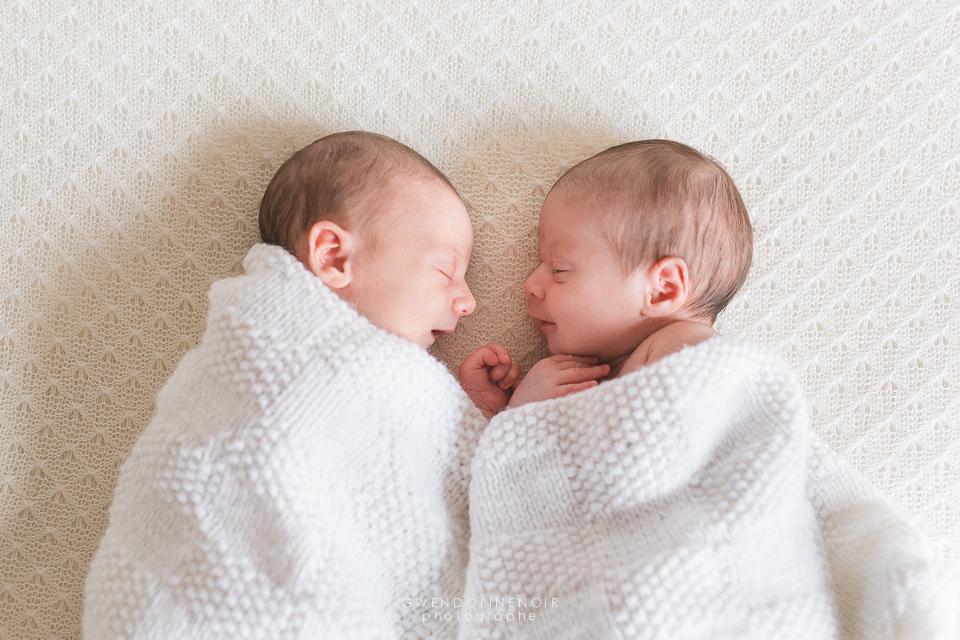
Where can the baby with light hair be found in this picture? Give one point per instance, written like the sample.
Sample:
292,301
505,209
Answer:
641,247
653,478
306,471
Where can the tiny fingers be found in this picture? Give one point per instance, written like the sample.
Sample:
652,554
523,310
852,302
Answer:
599,371
574,374
573,388
501,352
511,377
494,354
564,359
499,372
489,356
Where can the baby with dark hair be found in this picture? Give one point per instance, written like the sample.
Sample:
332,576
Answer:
306,471
380,226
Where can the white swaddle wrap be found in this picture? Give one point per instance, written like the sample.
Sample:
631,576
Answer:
305,475
686,500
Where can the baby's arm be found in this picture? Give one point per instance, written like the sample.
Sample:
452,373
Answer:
488,375
558,376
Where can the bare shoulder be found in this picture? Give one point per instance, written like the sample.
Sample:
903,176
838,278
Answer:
663,342
677,335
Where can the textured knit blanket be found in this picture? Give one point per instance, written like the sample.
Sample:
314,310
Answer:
305,475
688,499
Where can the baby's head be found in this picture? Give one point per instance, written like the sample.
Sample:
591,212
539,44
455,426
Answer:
381,226
634,238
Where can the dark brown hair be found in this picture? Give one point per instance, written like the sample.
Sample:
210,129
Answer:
660,198
342,177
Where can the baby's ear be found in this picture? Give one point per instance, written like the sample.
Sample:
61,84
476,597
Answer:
668,284
329,253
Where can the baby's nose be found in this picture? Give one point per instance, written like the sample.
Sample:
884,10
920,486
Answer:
532,286
465,303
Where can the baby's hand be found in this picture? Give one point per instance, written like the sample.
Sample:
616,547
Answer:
557,376
488,376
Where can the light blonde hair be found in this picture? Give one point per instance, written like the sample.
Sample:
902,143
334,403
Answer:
659,199
343,178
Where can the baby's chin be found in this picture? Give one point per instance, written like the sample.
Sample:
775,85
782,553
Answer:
555,348
556,345
436,334
422,340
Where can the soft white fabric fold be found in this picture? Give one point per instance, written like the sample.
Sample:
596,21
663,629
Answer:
883,580
688,499
305,475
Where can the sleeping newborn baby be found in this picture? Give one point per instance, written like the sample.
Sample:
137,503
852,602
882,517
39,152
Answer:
680,493
306,471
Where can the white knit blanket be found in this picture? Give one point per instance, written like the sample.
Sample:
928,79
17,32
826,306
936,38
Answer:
305,475
686,500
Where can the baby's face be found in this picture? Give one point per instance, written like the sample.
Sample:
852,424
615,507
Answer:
579,298
412,284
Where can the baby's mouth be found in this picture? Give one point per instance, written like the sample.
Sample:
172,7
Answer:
541,325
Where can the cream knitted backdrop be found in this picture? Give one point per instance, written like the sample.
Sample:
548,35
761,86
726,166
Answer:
137,136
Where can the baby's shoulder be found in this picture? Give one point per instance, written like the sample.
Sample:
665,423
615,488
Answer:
666,340
679,334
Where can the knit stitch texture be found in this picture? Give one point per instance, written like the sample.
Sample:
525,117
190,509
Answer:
305,475
137,138
687,500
